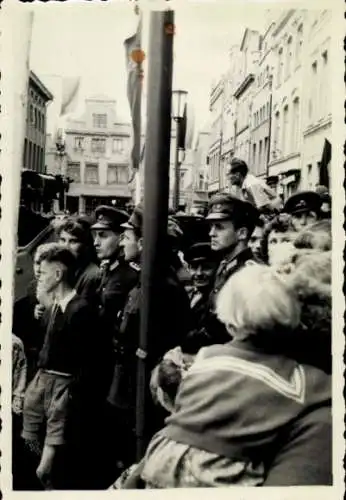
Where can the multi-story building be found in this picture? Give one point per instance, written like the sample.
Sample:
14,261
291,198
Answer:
199,192
316,98
261,108
286,138
35,132
96,157
229,112
217,99
243,92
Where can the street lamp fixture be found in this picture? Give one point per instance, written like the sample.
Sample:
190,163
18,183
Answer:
179,98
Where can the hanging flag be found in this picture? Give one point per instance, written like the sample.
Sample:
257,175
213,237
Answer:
190,126
182,130
70,95
324,164
134,58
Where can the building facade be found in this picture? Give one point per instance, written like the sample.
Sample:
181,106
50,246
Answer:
316,100
199,190
277,116
286,138
35,132
217,100
243,92
260,124
96,157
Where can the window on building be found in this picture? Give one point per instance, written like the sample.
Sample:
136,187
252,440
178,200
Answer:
73,171
268,110
309,177
265,155
100,120
117,174
112,174
254,159
295,125
98,145
29,160
324,91
91,174
314,93
118,145
299,44
25,153
260,152
79,142
288,57
280,66
32,115
284,131
276,145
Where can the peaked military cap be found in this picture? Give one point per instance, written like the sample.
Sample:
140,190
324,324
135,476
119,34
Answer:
226,206
305,201
109,218
200,252
136,219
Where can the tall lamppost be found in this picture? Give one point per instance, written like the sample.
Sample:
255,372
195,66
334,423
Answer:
179,98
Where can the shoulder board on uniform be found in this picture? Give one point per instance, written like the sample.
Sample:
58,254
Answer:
135,266
231,265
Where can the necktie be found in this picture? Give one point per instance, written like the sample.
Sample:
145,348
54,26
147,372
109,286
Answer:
44,353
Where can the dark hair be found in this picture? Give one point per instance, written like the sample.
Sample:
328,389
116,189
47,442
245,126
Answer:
57,253
280,223
80,228
238,165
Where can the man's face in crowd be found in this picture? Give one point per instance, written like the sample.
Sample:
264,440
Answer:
255,241
280,247
235,177
301,220
37,263
130,245
71,242
106,243
222,235
49,277
201,273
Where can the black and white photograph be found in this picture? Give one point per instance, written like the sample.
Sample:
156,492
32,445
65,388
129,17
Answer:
172,246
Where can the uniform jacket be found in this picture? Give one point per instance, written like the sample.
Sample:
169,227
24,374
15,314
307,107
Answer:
215,330
177,314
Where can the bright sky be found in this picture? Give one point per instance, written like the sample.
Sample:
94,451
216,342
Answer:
86,39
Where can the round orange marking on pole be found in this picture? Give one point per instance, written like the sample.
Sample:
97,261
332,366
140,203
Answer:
138,56
170,29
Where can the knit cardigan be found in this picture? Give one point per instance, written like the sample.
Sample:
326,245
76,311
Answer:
237,402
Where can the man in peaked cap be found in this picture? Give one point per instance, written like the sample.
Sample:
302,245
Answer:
174,307
304,208
117,279
232,221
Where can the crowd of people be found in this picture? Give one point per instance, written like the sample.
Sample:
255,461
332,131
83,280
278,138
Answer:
240,387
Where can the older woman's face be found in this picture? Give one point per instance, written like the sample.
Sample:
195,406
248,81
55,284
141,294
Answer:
280,247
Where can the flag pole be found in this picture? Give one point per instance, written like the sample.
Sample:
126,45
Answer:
156,189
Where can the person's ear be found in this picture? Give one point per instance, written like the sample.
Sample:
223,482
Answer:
243,234
59,273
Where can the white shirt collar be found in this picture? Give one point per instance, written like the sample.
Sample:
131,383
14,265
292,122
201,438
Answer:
63,303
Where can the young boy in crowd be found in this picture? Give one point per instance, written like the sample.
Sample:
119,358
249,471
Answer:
64,360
